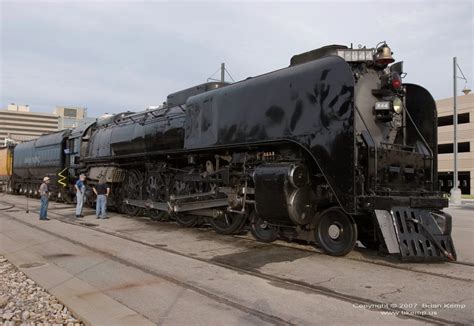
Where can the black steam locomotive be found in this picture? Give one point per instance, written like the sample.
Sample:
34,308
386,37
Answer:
330,150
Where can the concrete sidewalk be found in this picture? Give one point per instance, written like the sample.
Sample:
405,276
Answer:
390,284
130,284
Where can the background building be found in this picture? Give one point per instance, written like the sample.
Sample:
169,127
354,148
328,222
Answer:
71,117
465,111
19,124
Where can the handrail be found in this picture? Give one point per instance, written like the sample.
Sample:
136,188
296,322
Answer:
373,141
424,140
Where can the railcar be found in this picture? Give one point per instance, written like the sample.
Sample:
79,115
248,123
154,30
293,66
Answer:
6,167
35,159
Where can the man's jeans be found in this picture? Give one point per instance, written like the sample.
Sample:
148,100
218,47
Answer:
101,206
79,202
44,207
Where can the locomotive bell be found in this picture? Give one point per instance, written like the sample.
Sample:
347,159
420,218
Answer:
384,55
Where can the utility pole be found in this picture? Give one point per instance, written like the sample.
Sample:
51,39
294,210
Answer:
455,191
222,72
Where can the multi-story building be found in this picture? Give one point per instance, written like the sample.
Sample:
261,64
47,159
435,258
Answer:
71,117
465,113
18,124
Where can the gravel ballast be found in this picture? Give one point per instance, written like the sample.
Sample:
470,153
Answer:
23,302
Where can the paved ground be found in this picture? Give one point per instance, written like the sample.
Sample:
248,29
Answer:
132,270
463,229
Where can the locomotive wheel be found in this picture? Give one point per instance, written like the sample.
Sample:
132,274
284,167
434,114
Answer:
228,223
186,220
132,210
261,230
157,190
336,233
157,215
132,190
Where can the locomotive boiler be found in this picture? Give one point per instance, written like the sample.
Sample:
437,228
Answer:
330,150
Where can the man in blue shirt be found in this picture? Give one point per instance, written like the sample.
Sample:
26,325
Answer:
80,195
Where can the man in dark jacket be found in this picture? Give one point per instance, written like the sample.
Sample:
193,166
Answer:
102,190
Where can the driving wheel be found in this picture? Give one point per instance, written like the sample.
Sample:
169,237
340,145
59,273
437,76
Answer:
132,189
228,222
187,220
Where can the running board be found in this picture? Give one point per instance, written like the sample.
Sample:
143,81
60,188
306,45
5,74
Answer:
161,206
191,206
178,207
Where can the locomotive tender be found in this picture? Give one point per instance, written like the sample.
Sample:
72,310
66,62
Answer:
330,150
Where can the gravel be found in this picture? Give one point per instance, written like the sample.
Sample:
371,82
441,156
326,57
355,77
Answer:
23,302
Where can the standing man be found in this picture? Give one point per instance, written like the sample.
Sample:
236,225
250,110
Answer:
44,193
102,190
80,195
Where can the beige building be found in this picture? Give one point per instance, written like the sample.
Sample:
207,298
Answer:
465,112
18,124
69,117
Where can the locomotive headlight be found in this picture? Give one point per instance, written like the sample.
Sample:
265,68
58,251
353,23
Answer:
397,105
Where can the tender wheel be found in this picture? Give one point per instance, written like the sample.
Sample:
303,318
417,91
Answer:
228,223
261,230
336,233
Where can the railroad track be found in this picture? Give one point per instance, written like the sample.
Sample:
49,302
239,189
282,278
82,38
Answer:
281,281
369,256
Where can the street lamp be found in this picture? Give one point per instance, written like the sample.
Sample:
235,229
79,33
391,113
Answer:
455,191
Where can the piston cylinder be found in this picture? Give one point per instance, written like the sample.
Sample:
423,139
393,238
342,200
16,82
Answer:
283,194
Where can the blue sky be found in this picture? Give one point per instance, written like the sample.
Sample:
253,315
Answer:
110,56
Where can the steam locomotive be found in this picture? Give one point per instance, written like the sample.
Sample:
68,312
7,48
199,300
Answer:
330,150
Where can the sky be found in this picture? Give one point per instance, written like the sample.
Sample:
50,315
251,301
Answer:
112,56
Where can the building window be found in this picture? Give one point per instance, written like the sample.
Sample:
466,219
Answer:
464,147
448,120
70,112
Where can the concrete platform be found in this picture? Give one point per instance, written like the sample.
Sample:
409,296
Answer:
172,283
